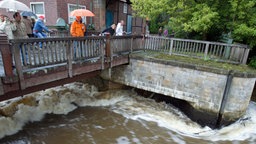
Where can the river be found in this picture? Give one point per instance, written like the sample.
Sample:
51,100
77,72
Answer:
78,114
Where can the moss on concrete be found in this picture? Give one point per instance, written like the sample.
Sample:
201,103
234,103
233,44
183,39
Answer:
199,62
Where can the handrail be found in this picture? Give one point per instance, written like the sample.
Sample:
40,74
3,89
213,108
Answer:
36,53
40,52
59,59
230,53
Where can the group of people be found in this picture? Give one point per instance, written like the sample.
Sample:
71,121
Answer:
78,29
13,28
22,26
165,33
113,29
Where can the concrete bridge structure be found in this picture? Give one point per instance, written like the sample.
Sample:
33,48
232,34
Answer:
221,94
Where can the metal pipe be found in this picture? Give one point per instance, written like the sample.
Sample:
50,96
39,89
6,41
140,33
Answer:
224,98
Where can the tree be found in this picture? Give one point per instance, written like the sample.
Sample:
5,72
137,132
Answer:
205,17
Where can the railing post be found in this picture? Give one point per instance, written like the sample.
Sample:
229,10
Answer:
144,42
70,55
18,63
6,55
171,46
132,44
206,50
245,55
108,50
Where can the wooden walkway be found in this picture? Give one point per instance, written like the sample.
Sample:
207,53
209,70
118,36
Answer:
44,63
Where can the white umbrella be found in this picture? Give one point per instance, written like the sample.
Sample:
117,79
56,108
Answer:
15,5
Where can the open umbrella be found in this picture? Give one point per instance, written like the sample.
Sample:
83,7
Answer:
28,13
82,12
15,5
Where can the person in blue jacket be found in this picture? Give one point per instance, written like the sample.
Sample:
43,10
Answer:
39,27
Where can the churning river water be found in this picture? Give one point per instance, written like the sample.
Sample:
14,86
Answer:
78,114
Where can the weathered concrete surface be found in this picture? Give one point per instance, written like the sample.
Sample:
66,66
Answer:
202,87
239,96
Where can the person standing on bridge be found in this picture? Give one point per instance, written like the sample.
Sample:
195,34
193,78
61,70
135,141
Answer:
110,30
39,27
77,29
19,33
160,31
7,26
29,25
119,28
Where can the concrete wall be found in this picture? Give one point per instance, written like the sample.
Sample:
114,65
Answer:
202,87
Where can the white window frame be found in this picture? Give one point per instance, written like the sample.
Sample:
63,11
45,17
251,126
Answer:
34,3
125,8
72,18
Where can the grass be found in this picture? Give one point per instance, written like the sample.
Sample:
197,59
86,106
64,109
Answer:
200,62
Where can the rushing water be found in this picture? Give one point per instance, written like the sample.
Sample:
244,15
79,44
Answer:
78,114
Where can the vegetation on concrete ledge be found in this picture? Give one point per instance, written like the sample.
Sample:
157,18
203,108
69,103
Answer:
202,62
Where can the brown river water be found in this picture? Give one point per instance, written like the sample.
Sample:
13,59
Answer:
78,114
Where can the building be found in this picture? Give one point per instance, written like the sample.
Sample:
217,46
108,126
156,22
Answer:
106,12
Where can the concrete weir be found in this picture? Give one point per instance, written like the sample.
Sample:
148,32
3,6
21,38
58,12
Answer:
222,96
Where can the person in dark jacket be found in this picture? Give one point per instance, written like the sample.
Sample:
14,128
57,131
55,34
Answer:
110,30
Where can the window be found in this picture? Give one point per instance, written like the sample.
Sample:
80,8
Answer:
72,7
38,8
125,8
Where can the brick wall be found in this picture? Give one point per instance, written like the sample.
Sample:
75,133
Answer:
55,9
50,8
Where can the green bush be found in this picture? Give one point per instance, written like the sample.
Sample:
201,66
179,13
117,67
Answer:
90,27
252,62
153,26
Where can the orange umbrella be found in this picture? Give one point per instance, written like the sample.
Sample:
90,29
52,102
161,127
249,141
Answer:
82,12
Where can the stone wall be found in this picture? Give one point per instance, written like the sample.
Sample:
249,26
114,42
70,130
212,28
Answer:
202,87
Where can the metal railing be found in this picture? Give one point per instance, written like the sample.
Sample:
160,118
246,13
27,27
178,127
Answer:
230,53
124,44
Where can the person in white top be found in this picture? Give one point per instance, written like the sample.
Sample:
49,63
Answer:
119,28
7,26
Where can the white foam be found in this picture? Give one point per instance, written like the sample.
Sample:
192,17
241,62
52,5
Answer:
177,139
64,99
136,140
171,118
58,100
163,115
123,140
243,129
